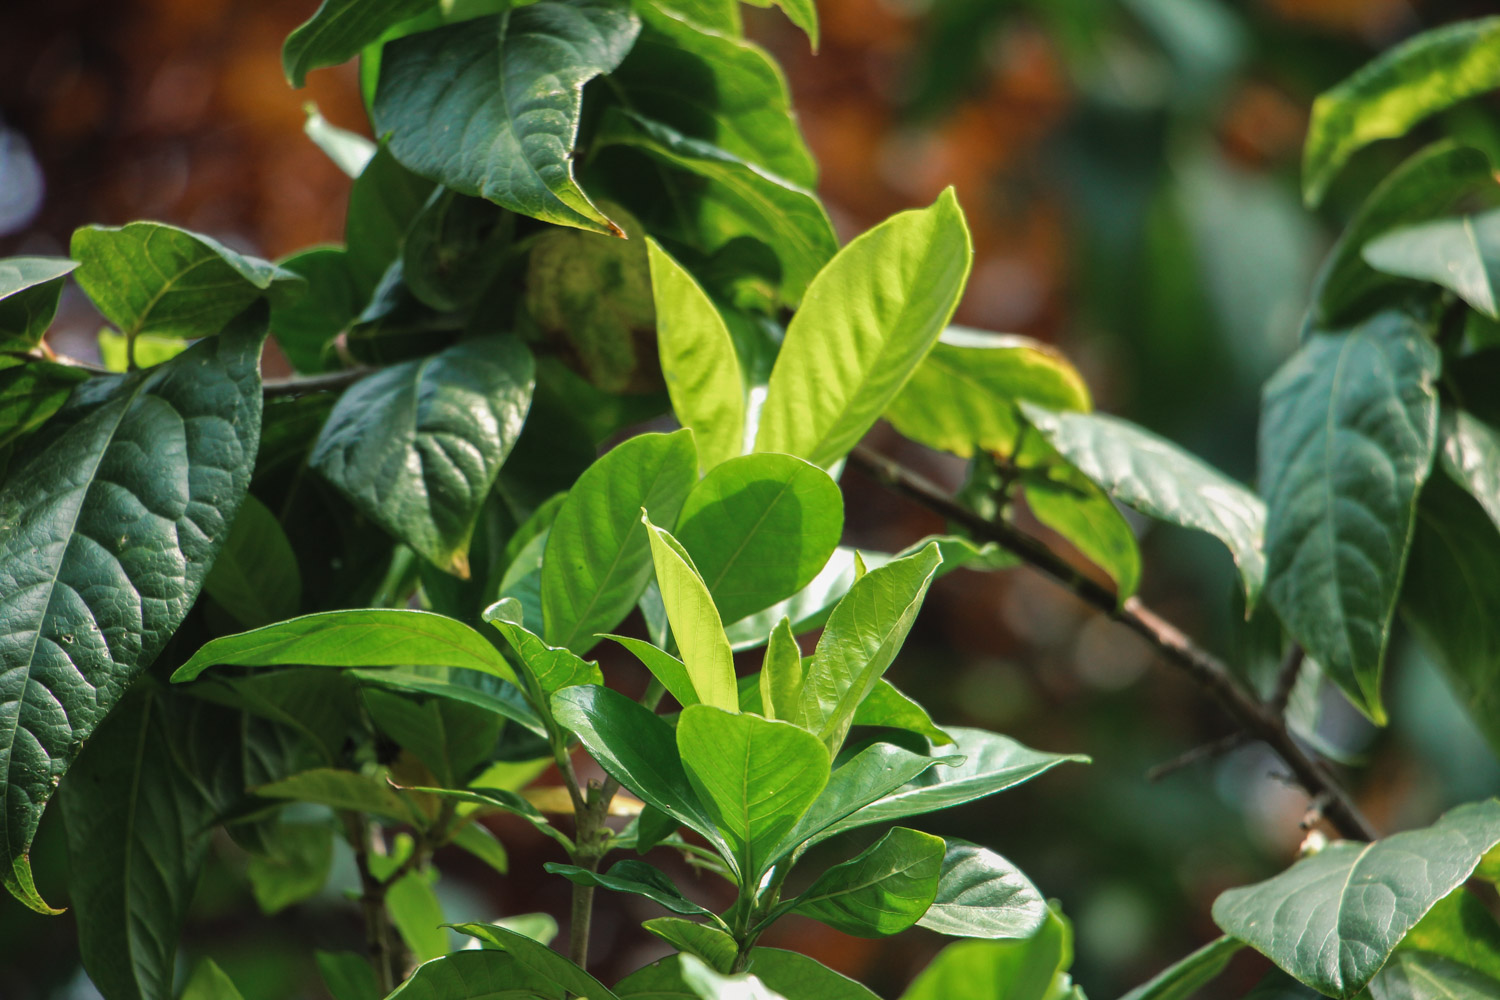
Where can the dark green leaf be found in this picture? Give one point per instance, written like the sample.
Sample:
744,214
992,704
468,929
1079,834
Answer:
796,975
1348,431
295,866
452,738
1461,254
30,393
540,960
1183,979
635,877
982,895
494,975
29,290
306,327
511,143
348,976
109,522
384,200
1471,456
885,706
455,247
884,890
339,30
341,790
505,801
506,700
321,706
255,577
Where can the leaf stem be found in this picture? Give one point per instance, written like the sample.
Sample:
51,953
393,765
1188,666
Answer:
314,383
372,903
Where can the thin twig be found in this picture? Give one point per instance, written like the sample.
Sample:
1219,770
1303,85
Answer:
313,383
1202,667
378,941
1286,680
1204,751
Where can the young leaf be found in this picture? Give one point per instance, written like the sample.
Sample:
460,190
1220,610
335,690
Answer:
1030,969
418,915
759,528
1461,254
598,555
698,361
1348,432
416,447
511,143
754,776
1160,480
863,635
147,277
635,877
552,667
1333,919
339,30
665,667
982,895
1183,979
539,960
1386,97
706,984
869,319
695,622
710,944
964,394
884,890
374,637
29,290
781,674
1069,503
209,982
255,577
873,773
93,587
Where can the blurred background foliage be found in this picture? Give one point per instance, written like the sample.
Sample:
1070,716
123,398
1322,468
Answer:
1129,170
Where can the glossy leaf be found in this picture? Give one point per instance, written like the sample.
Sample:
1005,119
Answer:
665,667
755,778
872,774
598,555
965,393
511,143
1183,979
706,984
492,974
416,447
255,577
1420,975
759,528
1348,431
339,29
147,277
1386,97
696,627
884,890
552,667
1471,457
869,319
634,877
862,638
1160,480
1333,919
714,946
1461,254
1030,969
539,960
698,361
796,975
374,637
29,290
982,895
1070,504
781,674
30,393
885,706
109,521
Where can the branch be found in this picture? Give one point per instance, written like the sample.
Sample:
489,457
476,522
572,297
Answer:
1286,679
330,382
1203,668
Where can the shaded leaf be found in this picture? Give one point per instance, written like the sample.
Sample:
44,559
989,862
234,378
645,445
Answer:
293,868
452,738
1070,504
1030,969
1471,457
539,960
348,976
634,877
255,577
209,982
30,393
384,200
339,29
1183,979
305,328
29,290
872,774
495,975
418,915
1461,254
552,667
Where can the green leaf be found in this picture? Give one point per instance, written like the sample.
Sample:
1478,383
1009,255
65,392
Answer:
759,528
452,738
698,361
1069,503
696,627
1461,254
754,776
1450,598
209,982
319,705
540,927
885,706
508,703
982,895
416,447
598,555
384,200
418,915
869,319
109,521
994,763
147,277
872,774
29,290
802,13
349,151
665,667
1386,97
884,890
511,143
1183,979
1419,975
454,249
634,877
540,960
713,197
30,393
374,637
796,975
781,674
708,943
348,976
1471,457
341,790
255,577
1030,969
1438,180
339,30
505,801
305,328
552,667
706,984
494,975
638,749
295,866
862,637
150,350
1333,919
1157,478
717,89
722,16
1461,928
1348,431
964,394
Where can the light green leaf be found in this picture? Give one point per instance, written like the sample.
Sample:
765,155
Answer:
982,895
695,621
807,609
540,960
540,927
781,674
1160,480
511,143
698,361
484,845
964,394
759,528
1461,928
722,16
339,30
294,867
1461,254
150,350
418,916
755,777
110,518
1420,975
30,393
869,319
1333,919
29,290
147,277
862,637
884,890
341,790
665,667
1471,457
209,982
598,555
634,877
349,151
708,943
1030,969
802,13
872,774
1348,431
255,577
993,763
374,637
706,984
1069,503
1183,979
494,975
1386,97
551,667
